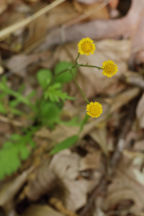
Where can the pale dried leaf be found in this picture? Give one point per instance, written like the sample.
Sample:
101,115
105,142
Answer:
91,161
3,6
40,182
65,170
9,190
127,185
123,98
66,165
41,210
19,63
87,1
140,112
60,133
100,136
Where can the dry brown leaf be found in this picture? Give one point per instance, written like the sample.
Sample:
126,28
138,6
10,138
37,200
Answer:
139,145
60,133
87,1
114,3
3,5
140,112
40,182
98,212
91,161
19,63
65,167
92,10
100,136
56,203
128,184
123,98
41,210
10,189
60,15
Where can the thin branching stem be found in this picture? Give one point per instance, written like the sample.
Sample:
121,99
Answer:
93,66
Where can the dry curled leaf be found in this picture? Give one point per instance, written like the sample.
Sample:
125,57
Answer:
92,161
10,189
127,185
62,173
140,112
41,210
40,182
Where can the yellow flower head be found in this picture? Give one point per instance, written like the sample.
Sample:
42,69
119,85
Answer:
94,109
86,46
109,68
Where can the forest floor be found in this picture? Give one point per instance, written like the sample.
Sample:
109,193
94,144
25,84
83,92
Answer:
103,173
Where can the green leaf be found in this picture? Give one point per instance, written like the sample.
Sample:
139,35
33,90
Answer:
13,152
16,111
67,143
49,113
55,94
44,77
65,72
2,109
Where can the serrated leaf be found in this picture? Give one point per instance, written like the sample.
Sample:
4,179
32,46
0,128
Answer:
67,143
44,77
62,72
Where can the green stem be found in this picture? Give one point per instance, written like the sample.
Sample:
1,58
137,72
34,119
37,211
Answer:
93,66
77,58
81,91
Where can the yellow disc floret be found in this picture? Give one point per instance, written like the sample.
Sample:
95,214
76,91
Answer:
109,68
86,46
94,109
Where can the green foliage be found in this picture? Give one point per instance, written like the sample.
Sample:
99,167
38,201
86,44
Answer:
11,106
54,93
67,143
13,152
44,77
2,108
45,111
49,113
65,72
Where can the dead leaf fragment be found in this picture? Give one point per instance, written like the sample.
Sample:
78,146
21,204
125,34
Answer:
140,112
127,185
3,6
91,161
39,210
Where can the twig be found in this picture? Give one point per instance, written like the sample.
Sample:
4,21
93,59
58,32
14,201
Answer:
5,32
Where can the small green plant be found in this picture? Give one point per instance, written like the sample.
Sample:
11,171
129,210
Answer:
45,110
